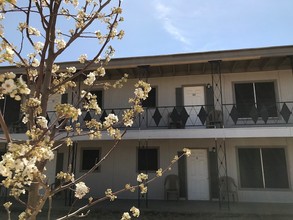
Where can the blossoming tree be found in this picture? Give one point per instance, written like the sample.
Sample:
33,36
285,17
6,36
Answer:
36,51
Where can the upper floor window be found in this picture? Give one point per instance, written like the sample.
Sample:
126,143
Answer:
263,168
255,98
99,94
10,109
151,100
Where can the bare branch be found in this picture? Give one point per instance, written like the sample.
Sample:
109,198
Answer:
5,128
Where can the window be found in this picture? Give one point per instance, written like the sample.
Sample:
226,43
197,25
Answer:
147,159
99,94
90,156
64,98
260,95
263,168
151,101
6,105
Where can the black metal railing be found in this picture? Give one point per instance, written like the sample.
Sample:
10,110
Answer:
196,116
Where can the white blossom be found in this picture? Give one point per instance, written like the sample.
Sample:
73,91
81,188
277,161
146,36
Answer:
34,31
42,122
187,151
38,46
126,216
142,177
91,78
60,43
8,86
81,190
110,120
82,58
135,211
35,62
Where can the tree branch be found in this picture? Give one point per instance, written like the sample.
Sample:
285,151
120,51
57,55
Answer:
5,128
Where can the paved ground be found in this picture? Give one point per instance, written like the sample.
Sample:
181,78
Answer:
177,210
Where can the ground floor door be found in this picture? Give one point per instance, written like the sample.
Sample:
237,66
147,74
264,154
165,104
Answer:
197,175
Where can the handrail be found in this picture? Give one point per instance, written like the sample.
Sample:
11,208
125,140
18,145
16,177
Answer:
198,116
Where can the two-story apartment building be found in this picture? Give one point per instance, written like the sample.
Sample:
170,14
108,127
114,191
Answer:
233,109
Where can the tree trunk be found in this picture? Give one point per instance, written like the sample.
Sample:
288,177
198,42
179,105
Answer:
33,199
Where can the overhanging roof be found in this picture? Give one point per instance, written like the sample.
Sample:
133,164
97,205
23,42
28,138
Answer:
232,61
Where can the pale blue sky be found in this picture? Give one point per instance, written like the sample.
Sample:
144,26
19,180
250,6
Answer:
158,27
155,27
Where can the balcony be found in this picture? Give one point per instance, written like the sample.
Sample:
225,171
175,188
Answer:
185,117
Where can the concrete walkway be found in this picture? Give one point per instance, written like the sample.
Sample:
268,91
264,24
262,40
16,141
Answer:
177,210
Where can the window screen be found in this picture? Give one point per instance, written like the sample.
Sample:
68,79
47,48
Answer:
250,168
244,98
275,168
263,168
265,98
260,95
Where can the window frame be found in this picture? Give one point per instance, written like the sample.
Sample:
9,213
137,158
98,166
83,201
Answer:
255,96
263,188
82,149
137,159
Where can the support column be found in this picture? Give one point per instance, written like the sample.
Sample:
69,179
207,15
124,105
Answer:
218,121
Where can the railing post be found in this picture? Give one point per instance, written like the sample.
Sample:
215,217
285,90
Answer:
217,115
217,112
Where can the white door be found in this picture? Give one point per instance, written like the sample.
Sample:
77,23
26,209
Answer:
197,175
194,97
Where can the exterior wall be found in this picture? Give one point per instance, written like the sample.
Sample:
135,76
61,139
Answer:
118,98
260,195
121,167
283,80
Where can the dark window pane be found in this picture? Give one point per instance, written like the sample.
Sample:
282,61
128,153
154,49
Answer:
151,99
64,98
89,158
250,168
244,99
99,94
266,99
147,159
275,168
10,110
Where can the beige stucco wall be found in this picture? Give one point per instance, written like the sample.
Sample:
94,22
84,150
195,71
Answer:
256,195
121,167
114,98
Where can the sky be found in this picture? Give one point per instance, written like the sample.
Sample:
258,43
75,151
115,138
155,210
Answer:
158,27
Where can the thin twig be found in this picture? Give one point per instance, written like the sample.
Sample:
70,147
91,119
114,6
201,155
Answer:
50,207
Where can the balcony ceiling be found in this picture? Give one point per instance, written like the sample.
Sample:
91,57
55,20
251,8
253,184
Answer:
232,61
237,66
236,61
